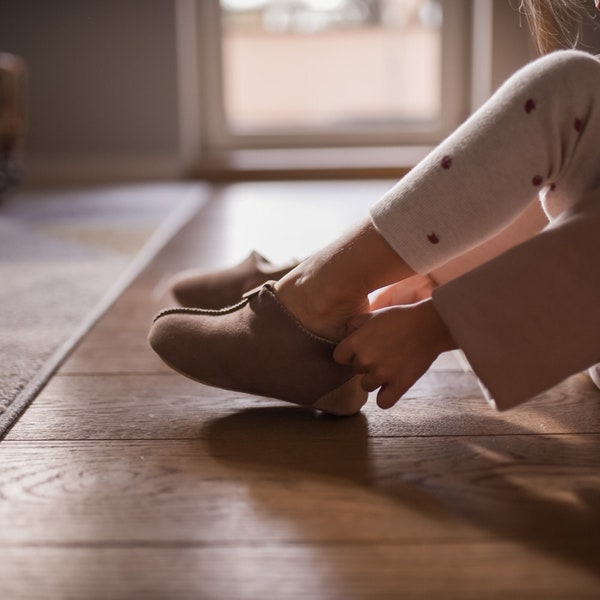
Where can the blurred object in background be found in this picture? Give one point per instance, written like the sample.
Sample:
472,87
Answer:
13,74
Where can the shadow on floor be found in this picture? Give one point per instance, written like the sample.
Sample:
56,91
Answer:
537,490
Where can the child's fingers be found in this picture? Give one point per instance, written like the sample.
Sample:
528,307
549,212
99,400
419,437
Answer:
344,352
388,395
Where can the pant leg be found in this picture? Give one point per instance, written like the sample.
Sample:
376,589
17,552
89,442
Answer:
529,318
519,145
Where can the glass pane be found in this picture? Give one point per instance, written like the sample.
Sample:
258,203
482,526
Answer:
332,65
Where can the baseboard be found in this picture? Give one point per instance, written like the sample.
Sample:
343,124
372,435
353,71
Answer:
89,169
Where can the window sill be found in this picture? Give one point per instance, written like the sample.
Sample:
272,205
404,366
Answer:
310,163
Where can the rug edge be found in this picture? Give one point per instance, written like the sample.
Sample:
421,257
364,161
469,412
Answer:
188,208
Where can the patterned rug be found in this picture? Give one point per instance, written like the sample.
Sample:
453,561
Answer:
65,256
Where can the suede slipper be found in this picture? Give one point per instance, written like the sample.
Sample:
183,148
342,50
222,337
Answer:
257,347
224,287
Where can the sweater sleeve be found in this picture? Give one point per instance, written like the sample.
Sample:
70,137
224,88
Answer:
514,149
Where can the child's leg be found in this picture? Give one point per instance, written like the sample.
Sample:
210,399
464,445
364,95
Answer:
420,287
538,133
524,141
531,221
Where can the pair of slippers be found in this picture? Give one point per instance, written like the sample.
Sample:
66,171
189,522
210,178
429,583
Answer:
232,332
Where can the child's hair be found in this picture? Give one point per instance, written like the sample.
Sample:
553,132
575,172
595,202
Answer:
554,23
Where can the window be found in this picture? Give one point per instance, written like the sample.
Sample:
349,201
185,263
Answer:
318,73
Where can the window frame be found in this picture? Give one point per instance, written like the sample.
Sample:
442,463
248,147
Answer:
455,90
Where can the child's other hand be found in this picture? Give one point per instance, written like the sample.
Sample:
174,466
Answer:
408,291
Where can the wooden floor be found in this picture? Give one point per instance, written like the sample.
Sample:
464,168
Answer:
124,480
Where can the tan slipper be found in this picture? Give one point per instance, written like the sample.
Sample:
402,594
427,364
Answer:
225,287
257,347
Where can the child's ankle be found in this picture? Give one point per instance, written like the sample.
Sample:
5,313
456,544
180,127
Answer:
323,310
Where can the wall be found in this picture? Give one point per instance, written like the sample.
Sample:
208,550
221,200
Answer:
102,85
512,46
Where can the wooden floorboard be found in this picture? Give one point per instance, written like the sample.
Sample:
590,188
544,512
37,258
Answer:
124,480
376,571
299,488
296,572
163,405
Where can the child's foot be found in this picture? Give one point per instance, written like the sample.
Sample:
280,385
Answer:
320,309
332,286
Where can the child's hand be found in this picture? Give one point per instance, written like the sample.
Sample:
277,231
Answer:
393,347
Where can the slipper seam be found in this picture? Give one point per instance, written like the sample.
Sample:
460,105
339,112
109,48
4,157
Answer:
182,310
271,290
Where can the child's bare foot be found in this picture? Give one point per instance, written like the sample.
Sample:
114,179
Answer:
319,308
331,287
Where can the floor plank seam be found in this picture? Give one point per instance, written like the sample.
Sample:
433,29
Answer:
123,440
349,543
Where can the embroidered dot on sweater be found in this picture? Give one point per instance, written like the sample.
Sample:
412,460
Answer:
446,162
537,180
433,237
529,105
578,124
